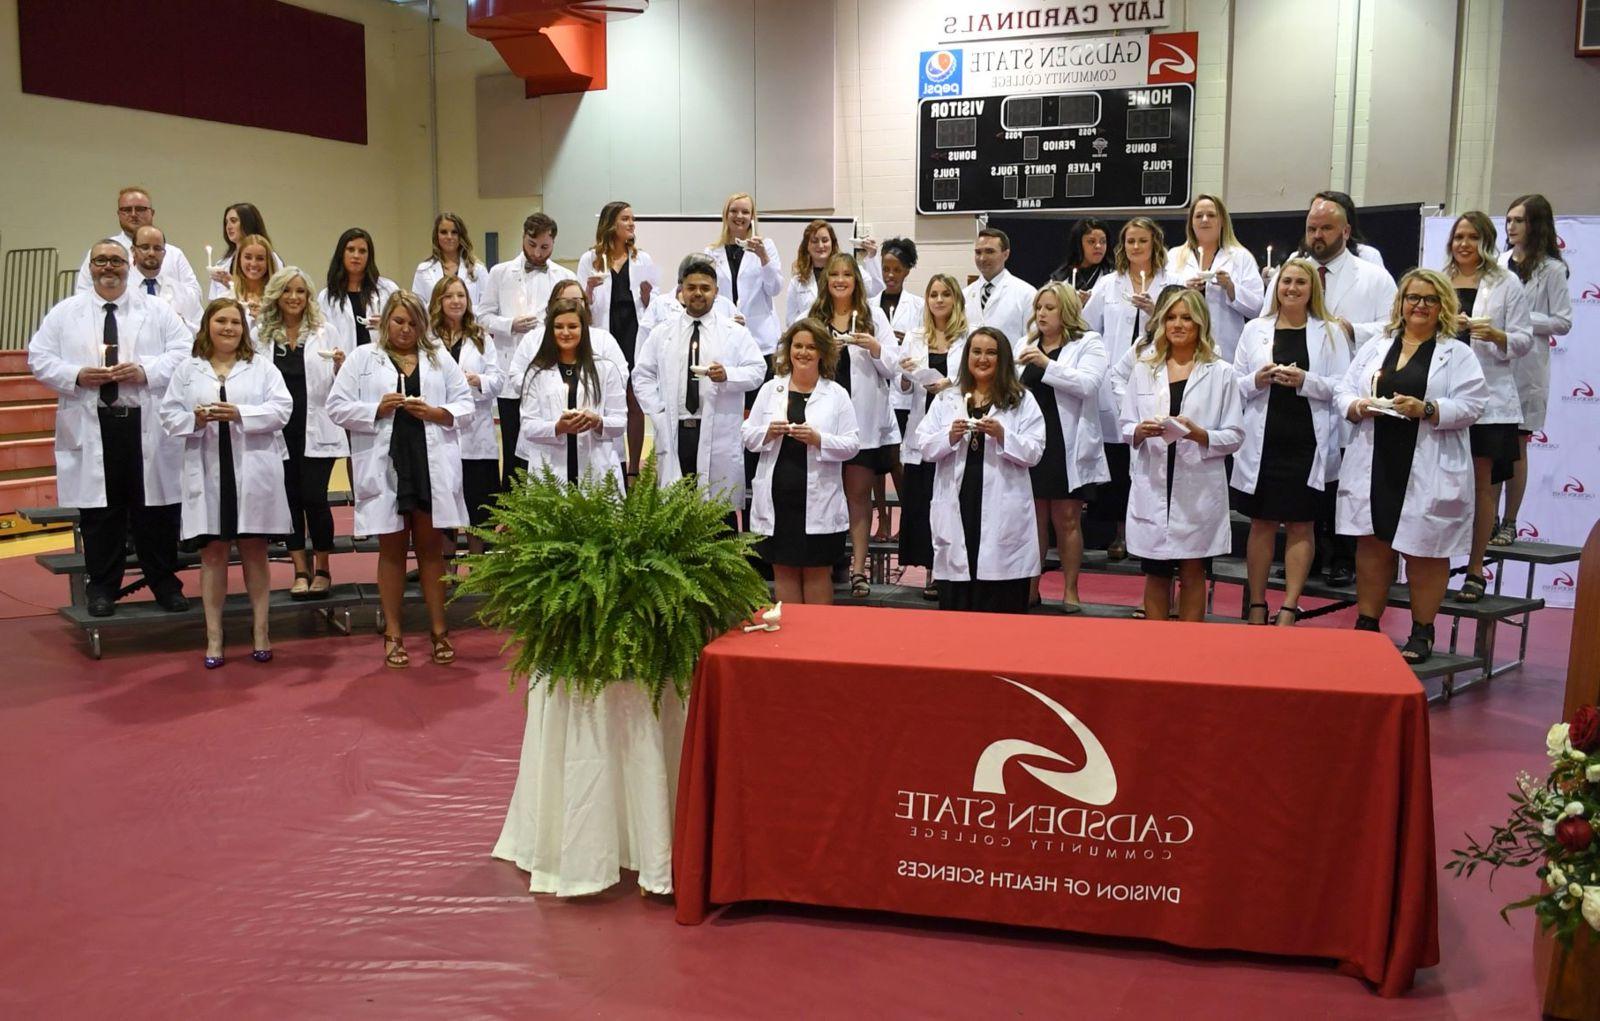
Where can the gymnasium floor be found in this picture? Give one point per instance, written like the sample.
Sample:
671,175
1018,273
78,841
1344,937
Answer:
311,839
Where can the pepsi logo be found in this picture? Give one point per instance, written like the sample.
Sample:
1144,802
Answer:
1529,532
940,65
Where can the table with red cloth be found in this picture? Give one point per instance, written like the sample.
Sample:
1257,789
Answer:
1255,789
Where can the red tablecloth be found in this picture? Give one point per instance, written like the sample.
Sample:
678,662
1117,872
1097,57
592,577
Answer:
1210,786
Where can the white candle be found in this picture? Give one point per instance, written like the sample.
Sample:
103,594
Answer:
1141,281
208,257
1074,278
1269,257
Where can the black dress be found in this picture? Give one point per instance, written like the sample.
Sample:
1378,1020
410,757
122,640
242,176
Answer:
408,450
879,459
1496,441
1006,596
1050,477
1394,440
624,316
735,255
227,489
358,309
790,545
916,535
1288,444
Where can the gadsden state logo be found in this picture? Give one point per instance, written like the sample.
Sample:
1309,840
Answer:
1093,783
1173,58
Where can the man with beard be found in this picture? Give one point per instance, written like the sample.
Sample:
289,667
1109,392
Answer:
149,254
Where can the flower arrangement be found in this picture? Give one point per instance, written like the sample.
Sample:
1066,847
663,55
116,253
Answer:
594,586
1552,825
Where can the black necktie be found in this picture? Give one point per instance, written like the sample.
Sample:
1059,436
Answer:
150,286
691,396
1322,271
108,391
983,300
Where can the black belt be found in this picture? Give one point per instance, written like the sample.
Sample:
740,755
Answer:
688,423
117,411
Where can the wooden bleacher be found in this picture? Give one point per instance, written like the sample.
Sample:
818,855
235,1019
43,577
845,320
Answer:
27,445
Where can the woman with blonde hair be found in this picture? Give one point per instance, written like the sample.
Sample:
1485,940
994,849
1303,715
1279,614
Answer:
1288,363
1212,261
404,399
1406,487
452,257
249,272
1063,365
930,359
1495,322
1180,415
233,457
307,354
750,283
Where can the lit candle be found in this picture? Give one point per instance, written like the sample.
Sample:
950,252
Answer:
1269,258
1074,278
208,257
1141,281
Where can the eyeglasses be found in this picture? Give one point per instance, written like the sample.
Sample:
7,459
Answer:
1426,300
102,261
135,209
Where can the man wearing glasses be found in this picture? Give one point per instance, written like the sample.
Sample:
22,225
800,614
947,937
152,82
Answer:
149,254
513,304
109,353
134,210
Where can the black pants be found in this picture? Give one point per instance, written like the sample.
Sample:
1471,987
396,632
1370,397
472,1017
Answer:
510,427
106,529
688,448
305,480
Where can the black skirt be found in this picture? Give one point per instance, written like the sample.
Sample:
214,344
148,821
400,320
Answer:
1497,442
1288,445
790,545
879,460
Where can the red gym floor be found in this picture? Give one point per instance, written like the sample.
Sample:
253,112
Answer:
310,838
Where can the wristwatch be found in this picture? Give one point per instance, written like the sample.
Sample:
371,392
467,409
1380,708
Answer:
1428,408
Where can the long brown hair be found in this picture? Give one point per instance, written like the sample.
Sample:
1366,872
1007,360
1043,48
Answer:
467,260
471,329
802,259
1007,389
1158,245
1539,226
549,355
1489,267
827,348
860,308
204,348
605,229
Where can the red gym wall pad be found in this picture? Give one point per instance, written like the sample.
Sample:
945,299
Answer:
255,63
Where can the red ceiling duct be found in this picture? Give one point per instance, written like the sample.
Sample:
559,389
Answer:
554,46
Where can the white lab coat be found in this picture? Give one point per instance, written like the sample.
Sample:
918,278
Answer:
915,346
544,400
1358,290
659,376
1195,523
758,286
803,291
1227,316
183,301
1110,313
666,306
1008,542
1504,302
69,339
323,438
479,439
870,379
1372,255
1436,517
217,289
641,269
1330,357
1550,314
431,271
367,375
257,388
829,411
513,291
605,349
1076,375
1010,306
907,318
340,318
175,269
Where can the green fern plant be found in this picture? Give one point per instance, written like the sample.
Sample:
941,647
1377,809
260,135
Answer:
594,587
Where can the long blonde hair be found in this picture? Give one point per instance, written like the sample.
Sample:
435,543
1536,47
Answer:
236,288
725,238
1190,249
1449,304
471,329
426,341
270,328
860,308
1489,267
1316,304
957,326
1205,349
1158,245
1073,325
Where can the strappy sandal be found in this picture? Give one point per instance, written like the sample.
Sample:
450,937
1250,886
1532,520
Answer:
1139,614
860,587
300,591
1505,533
320,593
1472,589
1252,609
394,653
930,591
1118,550
1292,611
1420,645
443,652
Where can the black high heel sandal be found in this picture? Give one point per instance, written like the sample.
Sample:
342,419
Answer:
1293,611
1420,645
1366,623
1472,589
1252,609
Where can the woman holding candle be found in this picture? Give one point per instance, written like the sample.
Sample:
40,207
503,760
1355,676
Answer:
1406,486
983,435
573,404
1063,366
619,281
1288,363
230,407
1181,415
930,359
803,425
868,358
403,399
1118,309
307,354
749,283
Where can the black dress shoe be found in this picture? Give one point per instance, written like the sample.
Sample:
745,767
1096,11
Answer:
173,602
101,606
1341,577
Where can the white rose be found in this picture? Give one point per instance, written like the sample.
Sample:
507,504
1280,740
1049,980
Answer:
1555,877
1548,827
1591,907
1556,742
1577,756
1592,773
1573,808
1575,891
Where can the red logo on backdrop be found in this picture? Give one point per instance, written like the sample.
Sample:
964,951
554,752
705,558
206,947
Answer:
1539,436
1590,293
1573,485
1563,580
1174,58
1561,242
1529,532
1583,389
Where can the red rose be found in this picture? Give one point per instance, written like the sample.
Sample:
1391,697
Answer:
1574,833
1585,729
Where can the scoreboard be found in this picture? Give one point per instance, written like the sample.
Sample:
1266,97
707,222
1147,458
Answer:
1129,148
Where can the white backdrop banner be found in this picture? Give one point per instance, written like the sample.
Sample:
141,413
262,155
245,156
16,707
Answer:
1563,498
